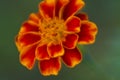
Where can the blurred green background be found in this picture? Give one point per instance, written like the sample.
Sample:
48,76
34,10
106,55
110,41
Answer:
101,60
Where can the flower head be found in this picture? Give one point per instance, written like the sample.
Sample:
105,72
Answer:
51,35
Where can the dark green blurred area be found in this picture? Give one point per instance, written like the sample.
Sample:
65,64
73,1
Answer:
101,60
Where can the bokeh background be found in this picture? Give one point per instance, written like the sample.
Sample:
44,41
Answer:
101,60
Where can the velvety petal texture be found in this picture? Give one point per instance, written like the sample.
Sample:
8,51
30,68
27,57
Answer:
72,57
47,8
55,50
73,24
51,36
34,17
29,26
50,67
87,33
27,39
41,52
82,16
60,5
27,56
72,7
70,41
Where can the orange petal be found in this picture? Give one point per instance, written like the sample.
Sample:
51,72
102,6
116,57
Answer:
87,33
34,17
55,49
72,57
50,67
41,52
72,7
73,24
27,56
27,39
47,8
70,41
29,26
82,16
60,4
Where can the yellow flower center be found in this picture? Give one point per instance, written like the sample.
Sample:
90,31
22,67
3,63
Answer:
52,30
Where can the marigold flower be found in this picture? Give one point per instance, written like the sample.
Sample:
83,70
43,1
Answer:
51,35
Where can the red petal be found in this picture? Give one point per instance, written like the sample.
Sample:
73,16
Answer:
27,56
72,57
87,33
34,17
27,39
82,16
73,24
70,41
72,7
29,26
41,52
60,4
50,67
55,49
47,8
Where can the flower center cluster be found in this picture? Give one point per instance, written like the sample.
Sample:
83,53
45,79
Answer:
52,30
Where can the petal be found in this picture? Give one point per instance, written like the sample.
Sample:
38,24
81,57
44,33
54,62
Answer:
82,16
27,39
47,8
72,57
70,41
87,33
73,24
60,4
29,26
27,56
34,17
41,52
55,49
72,7
50,67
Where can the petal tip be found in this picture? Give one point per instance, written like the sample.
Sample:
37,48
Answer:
88,32
41,52
26,64
71,41
50,67
72,57
55,49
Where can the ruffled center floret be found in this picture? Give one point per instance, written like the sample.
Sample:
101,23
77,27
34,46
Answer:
52,30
